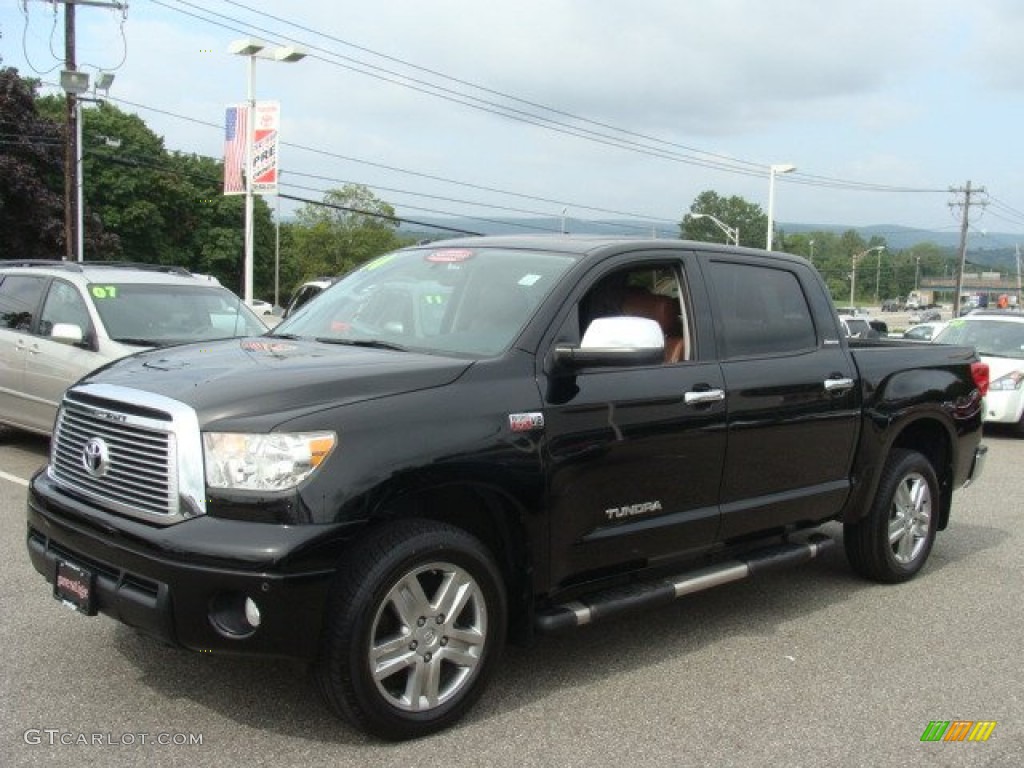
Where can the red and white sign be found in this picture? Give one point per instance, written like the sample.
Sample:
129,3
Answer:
265,132
266,128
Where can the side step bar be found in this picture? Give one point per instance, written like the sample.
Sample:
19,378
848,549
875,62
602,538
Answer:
602,605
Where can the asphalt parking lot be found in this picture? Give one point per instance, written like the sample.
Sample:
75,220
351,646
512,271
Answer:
807,667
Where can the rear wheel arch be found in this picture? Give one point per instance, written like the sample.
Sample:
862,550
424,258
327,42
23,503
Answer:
933,441
893,541
928,436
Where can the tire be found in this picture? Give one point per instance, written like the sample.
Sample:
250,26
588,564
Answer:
892,543
424,603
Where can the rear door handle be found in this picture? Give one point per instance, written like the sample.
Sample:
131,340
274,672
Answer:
704,396
838,385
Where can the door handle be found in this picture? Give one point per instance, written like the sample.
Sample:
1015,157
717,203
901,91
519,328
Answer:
838,385
704,397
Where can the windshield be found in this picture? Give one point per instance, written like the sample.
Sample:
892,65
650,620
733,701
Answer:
152,314
462,301
994,338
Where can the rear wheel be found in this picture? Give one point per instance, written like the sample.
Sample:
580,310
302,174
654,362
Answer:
892,543
415,623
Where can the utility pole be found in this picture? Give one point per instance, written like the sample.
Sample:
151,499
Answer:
966,204
1019,305
71,233
73,85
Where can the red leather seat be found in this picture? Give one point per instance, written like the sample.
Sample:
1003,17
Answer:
664,310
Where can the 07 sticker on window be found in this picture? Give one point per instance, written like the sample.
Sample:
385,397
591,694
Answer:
104,291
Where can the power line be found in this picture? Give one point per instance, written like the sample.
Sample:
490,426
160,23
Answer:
711,161
426,176
405,171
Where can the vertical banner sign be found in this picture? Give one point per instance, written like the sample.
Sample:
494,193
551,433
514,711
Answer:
235,126
266,124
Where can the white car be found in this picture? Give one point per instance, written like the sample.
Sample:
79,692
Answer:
998,337
60,320
923,331
261,307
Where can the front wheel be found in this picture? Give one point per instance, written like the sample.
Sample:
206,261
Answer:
415,623
892,542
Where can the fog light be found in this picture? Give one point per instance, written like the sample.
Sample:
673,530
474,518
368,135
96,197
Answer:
252,612
234,615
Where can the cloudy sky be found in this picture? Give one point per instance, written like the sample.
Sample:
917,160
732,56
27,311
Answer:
595,107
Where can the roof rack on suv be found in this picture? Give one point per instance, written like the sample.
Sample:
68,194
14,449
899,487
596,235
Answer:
78,266
71,266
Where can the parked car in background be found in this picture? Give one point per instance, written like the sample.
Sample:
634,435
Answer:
923,331
925,316
998,337
261,307
307,292
853,312
858,327
61,320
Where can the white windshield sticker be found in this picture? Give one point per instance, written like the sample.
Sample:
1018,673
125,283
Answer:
528,280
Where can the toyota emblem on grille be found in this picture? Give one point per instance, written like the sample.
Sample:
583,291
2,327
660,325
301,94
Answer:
96,457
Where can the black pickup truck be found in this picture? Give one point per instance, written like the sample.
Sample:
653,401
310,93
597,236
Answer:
471,441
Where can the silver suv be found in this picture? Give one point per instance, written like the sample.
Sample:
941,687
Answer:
61,320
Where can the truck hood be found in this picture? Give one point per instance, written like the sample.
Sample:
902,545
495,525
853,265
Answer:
261,376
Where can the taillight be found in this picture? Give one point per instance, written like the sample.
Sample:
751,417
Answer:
979,372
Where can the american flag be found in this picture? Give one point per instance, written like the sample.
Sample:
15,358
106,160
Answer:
234,149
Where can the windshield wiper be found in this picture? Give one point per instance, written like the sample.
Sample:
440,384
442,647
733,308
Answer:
371,343
139,342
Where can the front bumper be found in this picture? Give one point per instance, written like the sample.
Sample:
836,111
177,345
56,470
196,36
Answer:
186,584
1004,407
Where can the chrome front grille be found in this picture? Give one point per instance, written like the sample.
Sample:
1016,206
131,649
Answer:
142,469
130,452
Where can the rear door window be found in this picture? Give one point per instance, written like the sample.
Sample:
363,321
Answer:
762,310
19,300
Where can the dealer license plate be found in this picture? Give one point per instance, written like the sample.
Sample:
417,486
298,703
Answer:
75,586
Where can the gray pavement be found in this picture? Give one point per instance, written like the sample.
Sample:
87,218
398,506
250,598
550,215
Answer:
807,667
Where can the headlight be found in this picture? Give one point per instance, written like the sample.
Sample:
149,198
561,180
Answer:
272,462
1006,383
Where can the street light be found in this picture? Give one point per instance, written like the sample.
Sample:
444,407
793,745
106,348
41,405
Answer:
730,232
772,171
878,271
853,274
255,49
75,84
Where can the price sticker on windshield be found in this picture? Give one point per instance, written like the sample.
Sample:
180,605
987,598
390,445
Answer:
104,291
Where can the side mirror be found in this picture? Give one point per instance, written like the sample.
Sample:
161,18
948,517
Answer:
615,341
67,333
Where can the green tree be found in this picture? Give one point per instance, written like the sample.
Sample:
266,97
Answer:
733,212
351,226
31,174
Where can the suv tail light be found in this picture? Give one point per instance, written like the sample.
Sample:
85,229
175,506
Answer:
979,372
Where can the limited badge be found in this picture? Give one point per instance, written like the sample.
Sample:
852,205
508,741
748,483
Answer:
525,422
